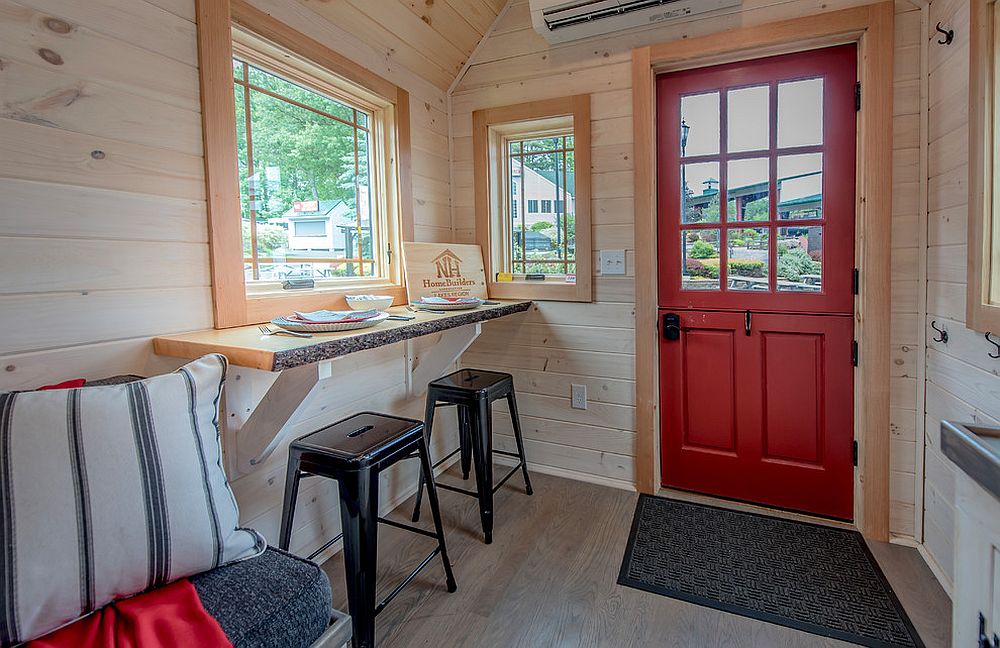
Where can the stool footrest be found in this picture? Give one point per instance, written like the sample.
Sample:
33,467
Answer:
456,489
407,527
447,457
325,546
509,475
406,581
513,455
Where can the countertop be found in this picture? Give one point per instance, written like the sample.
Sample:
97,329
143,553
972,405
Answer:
976,450
246,347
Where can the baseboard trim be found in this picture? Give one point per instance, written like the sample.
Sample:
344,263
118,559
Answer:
569,474
936,569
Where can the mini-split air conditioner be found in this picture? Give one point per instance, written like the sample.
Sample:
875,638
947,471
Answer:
564,20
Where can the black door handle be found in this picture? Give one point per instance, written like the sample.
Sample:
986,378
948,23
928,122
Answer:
671,326
746,322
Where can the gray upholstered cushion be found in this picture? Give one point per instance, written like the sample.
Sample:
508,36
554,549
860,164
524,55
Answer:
275,600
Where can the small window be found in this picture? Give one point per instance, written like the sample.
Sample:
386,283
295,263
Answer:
533,154
983,298
310,228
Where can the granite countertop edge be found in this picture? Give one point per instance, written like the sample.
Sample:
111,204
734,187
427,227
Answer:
972,455
290,358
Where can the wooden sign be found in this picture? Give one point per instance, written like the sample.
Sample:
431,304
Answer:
444,270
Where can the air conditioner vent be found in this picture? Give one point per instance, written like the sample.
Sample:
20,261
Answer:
560,21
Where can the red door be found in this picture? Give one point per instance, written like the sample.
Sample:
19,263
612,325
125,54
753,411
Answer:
756,208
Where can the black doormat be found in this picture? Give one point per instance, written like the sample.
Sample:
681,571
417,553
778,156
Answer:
805,576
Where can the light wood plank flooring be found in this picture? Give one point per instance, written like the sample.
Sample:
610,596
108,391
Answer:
549,579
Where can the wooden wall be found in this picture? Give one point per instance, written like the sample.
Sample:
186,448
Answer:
556,344
962,382
103,230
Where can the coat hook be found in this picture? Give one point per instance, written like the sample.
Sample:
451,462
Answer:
994,343
949,35
942,333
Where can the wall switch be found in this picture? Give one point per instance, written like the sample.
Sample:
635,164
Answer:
612,262
578,396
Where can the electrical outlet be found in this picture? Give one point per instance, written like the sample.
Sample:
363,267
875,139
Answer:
612,262
578,396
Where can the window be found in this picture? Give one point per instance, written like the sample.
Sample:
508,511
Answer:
302,151
536,147
306,169
983,299
312,228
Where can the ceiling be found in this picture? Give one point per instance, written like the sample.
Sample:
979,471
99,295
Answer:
432,38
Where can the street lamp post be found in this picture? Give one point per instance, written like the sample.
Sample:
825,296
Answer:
685,129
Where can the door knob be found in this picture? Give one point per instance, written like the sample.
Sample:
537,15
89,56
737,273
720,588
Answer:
671,326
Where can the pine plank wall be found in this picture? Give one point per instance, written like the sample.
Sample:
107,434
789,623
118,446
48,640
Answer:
103,239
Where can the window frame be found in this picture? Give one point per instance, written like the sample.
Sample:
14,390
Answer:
491,128
983,286
224,28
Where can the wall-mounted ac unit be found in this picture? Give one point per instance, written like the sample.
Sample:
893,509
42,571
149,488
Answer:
563,20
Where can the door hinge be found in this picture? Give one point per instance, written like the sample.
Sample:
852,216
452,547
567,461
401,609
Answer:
857,96
854,353
854,452
856,281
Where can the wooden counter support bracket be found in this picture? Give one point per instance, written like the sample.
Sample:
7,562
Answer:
259,436
433,363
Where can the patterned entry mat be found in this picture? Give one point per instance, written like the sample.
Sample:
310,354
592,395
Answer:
810,577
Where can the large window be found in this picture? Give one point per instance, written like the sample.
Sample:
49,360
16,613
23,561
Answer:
983,299
305,172
532,205
307,169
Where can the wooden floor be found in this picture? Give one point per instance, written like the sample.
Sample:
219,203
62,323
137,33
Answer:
549,579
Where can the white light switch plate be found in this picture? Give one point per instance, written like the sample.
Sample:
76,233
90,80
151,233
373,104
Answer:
612,262
578,396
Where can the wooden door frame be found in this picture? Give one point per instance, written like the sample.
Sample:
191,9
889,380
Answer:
871,27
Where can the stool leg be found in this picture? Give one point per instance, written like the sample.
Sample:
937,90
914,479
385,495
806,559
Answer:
292,476
359,520
428,422
516,420
432,499
482,455
464,440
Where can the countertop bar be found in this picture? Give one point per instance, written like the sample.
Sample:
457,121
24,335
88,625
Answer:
246,347
976,450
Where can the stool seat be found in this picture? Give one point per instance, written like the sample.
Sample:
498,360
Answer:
360,440
466,384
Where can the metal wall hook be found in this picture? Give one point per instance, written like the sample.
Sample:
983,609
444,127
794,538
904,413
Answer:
942,333
994,343
949,35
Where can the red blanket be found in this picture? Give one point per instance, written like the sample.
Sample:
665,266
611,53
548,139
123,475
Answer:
166,617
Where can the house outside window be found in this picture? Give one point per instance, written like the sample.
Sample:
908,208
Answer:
532,206
546,206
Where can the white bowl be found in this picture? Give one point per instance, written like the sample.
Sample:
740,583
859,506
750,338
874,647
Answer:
365,302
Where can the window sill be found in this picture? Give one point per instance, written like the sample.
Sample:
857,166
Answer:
548,290
263,307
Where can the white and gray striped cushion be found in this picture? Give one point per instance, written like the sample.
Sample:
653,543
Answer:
109,491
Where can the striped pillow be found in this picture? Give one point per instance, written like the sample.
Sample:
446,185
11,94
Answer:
110,491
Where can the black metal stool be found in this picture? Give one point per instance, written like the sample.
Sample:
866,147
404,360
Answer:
474,391
354,451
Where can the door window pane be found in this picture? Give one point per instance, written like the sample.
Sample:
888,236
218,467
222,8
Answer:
700,124
747,259
700,259
800,259
748,122
700,192
800,186
747,190
800,113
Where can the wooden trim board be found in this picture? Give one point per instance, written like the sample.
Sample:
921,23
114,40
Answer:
871,26
577,106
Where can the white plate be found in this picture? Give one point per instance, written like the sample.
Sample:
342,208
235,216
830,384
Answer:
455,306
331,327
